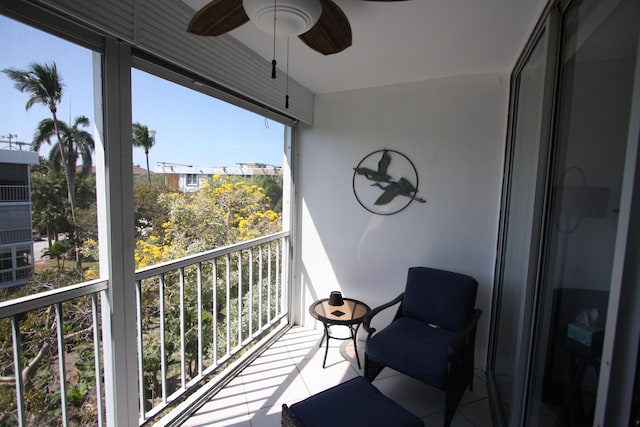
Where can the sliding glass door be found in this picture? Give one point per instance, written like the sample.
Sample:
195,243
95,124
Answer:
525,165
568,135
597,67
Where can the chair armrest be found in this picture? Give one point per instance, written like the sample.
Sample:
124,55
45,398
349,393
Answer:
457,343
289,418
366,321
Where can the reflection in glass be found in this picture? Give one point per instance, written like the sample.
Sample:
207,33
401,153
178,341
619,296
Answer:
597,70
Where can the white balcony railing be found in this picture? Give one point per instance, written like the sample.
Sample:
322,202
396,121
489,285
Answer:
196,315
17,276
39,325
15,193
16,235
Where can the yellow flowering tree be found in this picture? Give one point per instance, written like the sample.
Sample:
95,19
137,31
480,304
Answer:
152,251
222,213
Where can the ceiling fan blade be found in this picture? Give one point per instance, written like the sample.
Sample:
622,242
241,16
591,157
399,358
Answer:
332,32
218,17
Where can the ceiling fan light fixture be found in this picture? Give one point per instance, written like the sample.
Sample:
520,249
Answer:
293,17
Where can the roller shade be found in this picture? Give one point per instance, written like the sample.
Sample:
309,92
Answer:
158,27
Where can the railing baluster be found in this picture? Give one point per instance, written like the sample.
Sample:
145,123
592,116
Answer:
269,283
183,365
199,297
214,280
140,349
17,364
228,305
239,298
62,374
277,243
96,358
251,292
163,349
286,273
15,193
260,283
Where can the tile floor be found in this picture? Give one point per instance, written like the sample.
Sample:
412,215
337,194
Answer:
291,370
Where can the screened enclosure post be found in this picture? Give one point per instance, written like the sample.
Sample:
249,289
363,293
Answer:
114,198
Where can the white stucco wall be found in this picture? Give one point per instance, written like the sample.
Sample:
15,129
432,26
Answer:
453,130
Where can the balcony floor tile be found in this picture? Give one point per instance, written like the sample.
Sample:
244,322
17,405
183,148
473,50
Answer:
291,370
227,408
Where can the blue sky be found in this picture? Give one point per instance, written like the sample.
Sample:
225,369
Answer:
191,128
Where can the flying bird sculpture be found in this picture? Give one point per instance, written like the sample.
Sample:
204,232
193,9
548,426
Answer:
402,187
380,174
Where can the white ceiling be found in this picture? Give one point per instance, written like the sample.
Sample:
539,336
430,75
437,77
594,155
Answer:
406,41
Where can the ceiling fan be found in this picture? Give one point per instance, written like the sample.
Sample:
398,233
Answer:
320,24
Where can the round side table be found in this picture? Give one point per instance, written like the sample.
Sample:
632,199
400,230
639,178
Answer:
349,314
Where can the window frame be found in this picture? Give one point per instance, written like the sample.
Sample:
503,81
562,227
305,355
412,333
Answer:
191,180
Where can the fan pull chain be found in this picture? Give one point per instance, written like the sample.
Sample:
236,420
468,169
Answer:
273,62
286,102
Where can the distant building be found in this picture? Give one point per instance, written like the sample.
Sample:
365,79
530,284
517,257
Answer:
189,179
139,171
16,235
136,170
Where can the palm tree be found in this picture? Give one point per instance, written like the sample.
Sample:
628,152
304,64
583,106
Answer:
44,84
47,198
77,142
143,137
59,250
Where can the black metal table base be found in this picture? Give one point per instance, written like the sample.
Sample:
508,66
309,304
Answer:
353,329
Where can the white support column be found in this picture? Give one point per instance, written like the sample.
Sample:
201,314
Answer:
116,229
292,204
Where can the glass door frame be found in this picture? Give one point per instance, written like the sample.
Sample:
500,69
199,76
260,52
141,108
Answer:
547,31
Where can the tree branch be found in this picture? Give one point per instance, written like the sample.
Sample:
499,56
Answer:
29,370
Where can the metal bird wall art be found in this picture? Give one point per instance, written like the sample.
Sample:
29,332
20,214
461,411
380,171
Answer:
382,179
400,188
379,175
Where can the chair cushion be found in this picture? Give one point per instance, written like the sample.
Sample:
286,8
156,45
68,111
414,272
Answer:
413,348
439,297
353,403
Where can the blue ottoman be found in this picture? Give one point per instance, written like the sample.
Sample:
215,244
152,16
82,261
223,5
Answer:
350,404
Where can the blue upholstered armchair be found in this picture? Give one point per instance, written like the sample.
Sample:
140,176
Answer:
432,336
